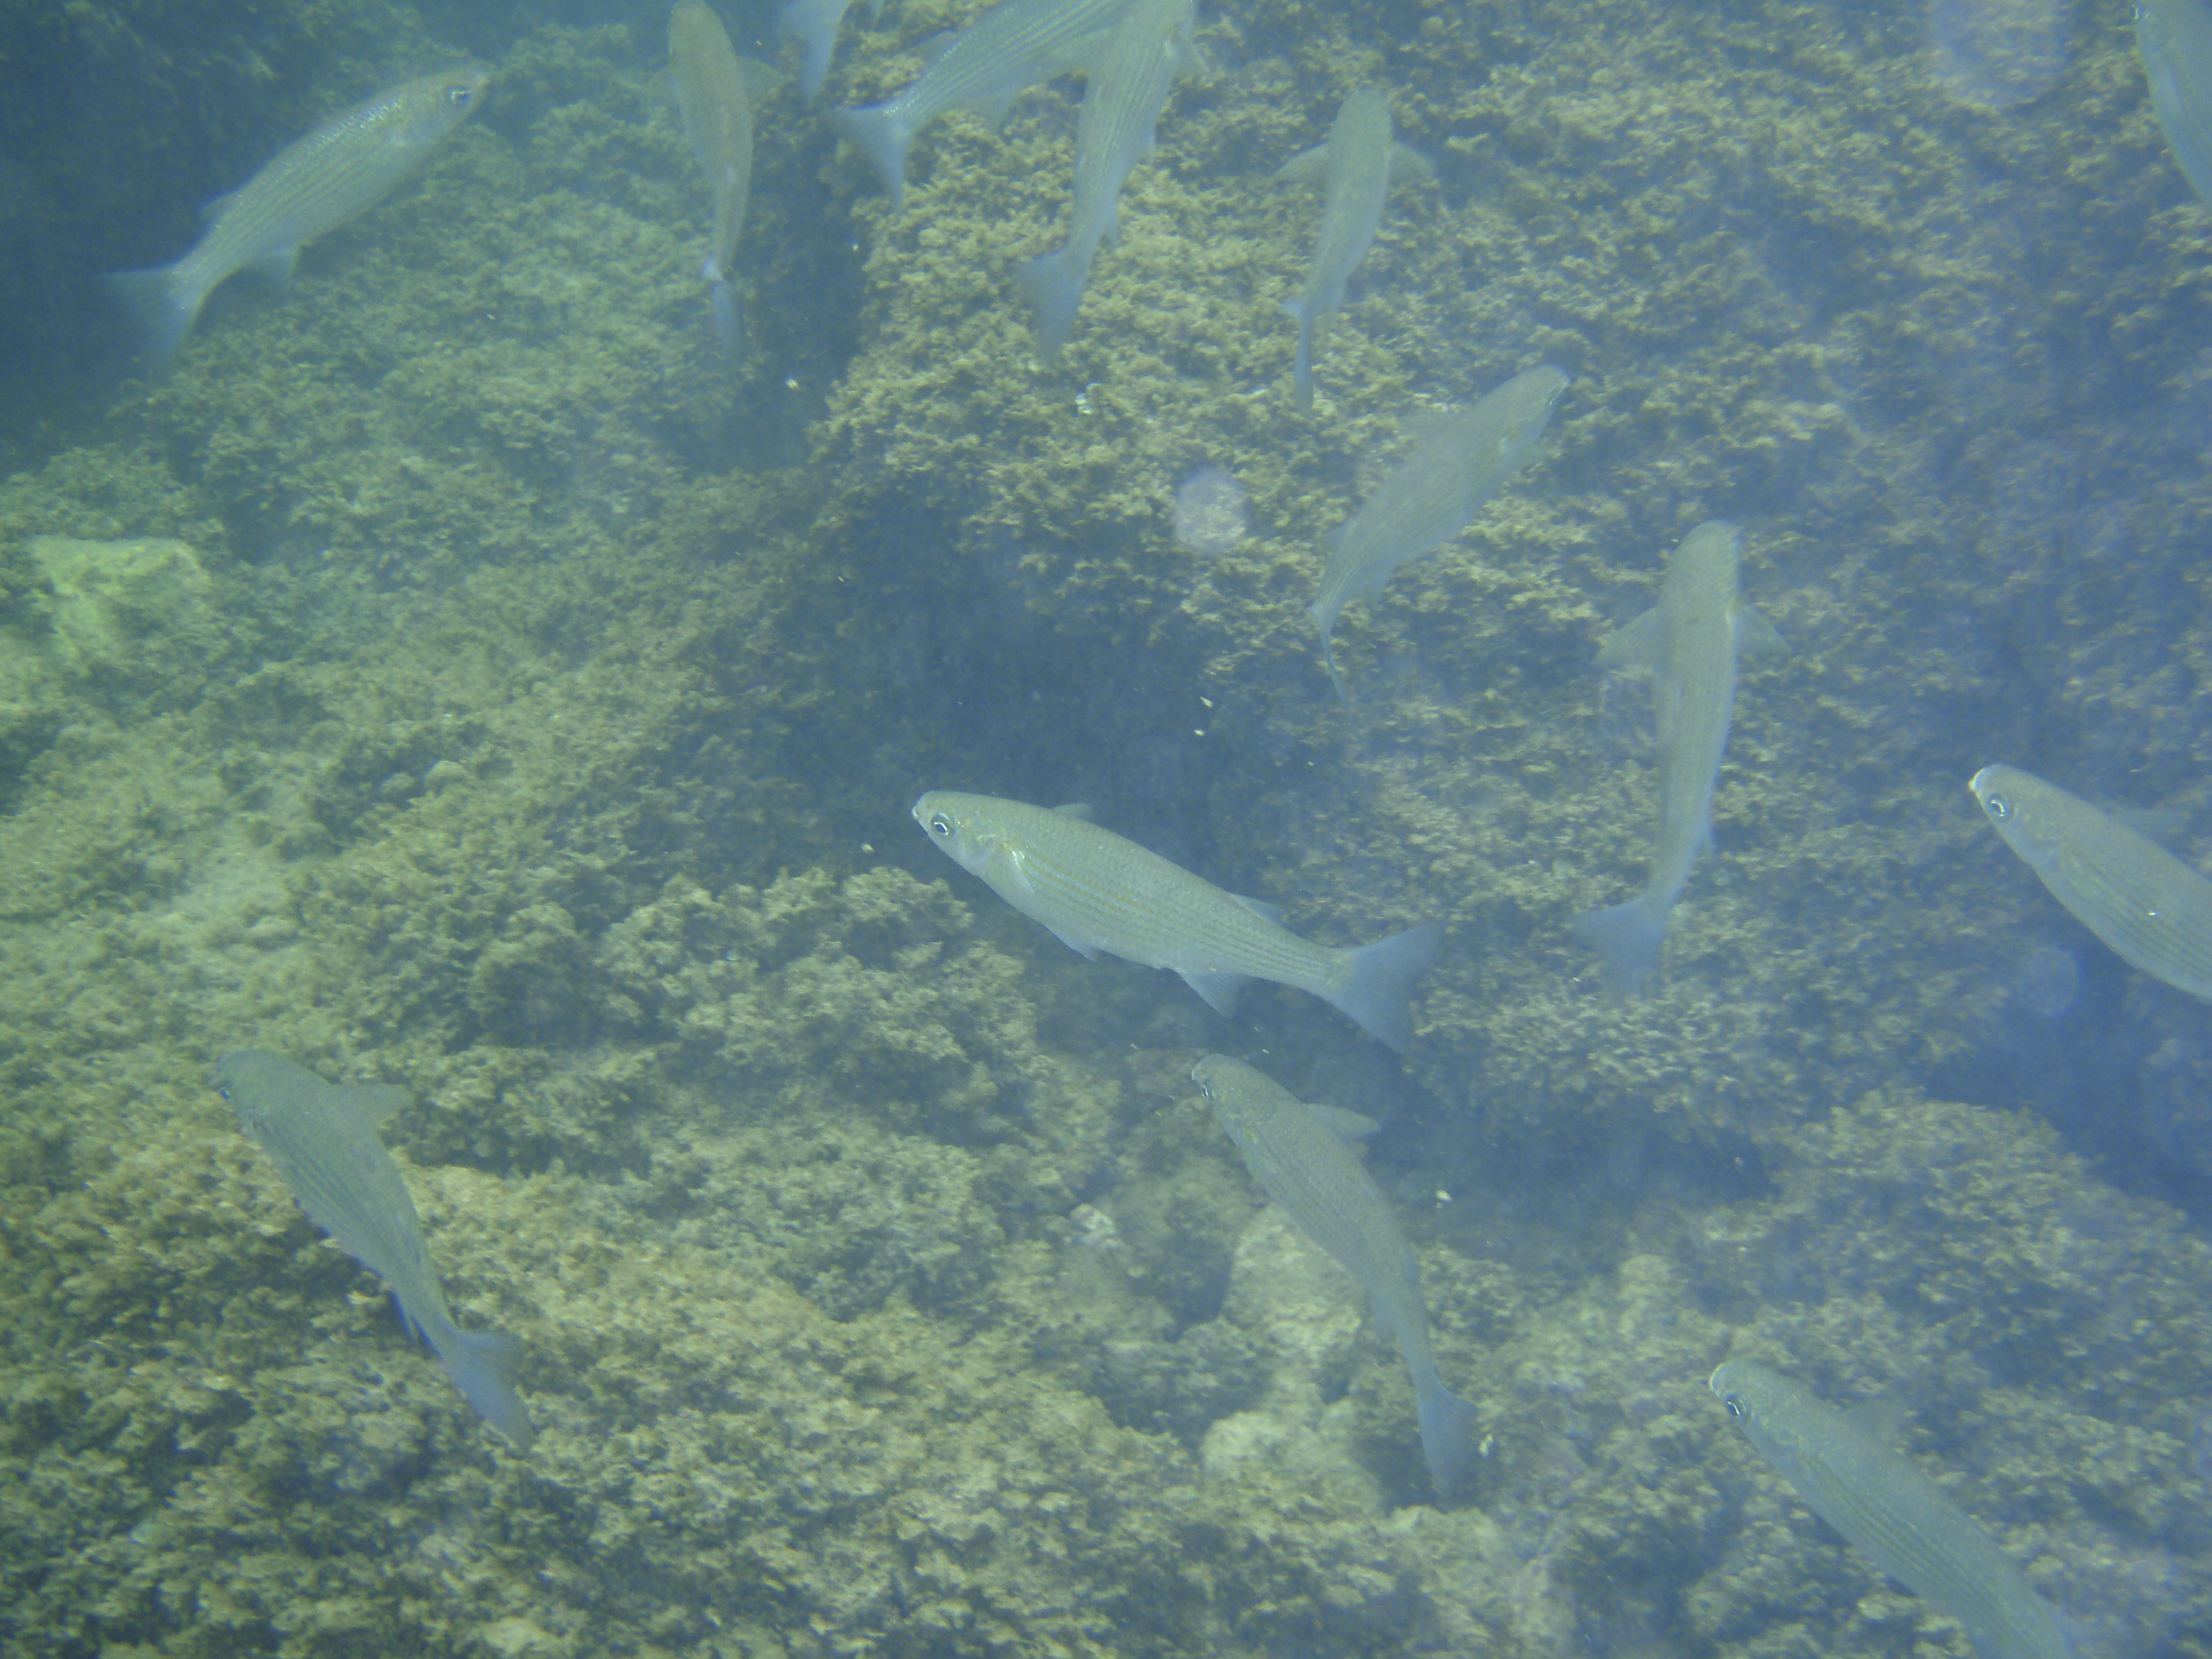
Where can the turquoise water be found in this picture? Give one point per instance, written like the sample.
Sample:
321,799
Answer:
454,676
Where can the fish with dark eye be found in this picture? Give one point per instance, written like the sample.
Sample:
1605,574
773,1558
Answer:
322,1137
308,188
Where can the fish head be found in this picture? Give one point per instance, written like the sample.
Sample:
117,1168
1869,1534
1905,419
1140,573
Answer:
1213,1075
964,826
1741,1385
433,106
2008,797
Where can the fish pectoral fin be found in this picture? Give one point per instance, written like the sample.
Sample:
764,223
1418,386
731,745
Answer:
1755,636
1310,167
374,1101
1083,948
1409,164
1344,1124
1639,645
276,266
761,79
1261,908
1220,990
1880,1417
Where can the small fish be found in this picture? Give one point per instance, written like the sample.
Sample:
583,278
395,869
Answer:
1298,1152
2174,38
2154,910
1691,641
1355,168
1843,1466
322,1139
1430,499
714,90
337,172
1098,891
815,22
1015,45
1128,88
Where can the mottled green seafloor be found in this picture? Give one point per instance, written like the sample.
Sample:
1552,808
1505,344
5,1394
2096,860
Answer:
529,718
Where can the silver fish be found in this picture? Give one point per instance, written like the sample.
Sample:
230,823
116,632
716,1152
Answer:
1355,168
2154,910
1845,1468
312,187
1691,641
322,1139
1015,45
714,90
1098,891
2174,38
1128,88
1299,1154
1429,498
815,22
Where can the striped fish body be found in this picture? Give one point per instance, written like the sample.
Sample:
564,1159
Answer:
1015,45
1128,88
2150,907
1892,1513
1692,641
2174,38
1355,168
324,1142
1098,891
1304,1166
1430,498
709,85
314,185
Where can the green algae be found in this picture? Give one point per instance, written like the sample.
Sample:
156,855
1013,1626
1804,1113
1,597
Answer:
881,1286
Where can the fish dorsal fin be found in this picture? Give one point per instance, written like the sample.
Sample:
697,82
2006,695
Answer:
1079,810
1344,1124
1879,1418
374,1102
276,266
1408,165
1261,908
1308,167
1755,636
215,207
1639,645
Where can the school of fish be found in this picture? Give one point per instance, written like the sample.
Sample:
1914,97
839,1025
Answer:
1102,894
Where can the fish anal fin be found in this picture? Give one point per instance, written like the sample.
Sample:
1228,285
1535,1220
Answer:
1639,645
276,266
1220,990
1083,948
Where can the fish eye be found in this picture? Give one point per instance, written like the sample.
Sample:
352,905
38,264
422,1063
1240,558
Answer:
1735,1403
940,824
2000,808
461,95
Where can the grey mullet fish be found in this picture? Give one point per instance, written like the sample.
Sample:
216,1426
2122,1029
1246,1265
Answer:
2174,38
2154,910
1298,1152
713,89
322,1137
1430,497
312,187
1845,1468
1691,641
1121,103
1098,891
1015,45
1355,168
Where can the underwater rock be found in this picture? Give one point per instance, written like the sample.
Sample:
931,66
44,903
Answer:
104,600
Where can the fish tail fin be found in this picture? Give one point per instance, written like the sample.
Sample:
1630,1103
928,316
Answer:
1448,1441
728,328
1374,987
879,135
163,303
1628,938
1302,368
1052,285
481,1364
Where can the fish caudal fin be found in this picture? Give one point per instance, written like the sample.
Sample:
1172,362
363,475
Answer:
878,135
163,305
1053,285
481,1365
1447,1441
1376,987
1628,938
